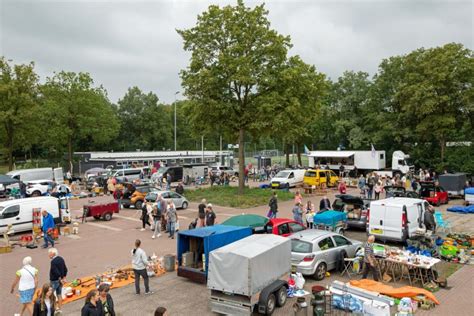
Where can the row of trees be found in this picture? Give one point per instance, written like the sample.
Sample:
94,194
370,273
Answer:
242,85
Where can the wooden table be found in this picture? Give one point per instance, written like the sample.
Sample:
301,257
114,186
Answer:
400,270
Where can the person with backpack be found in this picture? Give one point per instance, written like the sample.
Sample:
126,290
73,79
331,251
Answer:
156,213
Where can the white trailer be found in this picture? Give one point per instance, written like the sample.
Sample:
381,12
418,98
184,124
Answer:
241,278
26,175
363,160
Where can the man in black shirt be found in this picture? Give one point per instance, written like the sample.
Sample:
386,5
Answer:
210,215
202,212
57,273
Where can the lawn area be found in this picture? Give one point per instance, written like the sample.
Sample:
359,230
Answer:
228,196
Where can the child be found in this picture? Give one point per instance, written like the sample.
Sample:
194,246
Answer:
309,214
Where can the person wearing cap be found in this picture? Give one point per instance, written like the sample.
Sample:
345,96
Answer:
210,215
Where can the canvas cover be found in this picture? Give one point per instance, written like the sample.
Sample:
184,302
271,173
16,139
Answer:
330,218
248,265
453,182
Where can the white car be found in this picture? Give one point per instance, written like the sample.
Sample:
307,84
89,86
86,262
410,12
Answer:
39,187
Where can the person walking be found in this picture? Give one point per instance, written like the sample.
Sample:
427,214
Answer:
370,186
45,305
378,189
106,301
92,306
202,213
370,263
342,187
111,185
139,264
156,213
273,204
145,217
361,185
57,273
168,182
298,197
118,195
210,215
298,213
171,218
27,280
47,229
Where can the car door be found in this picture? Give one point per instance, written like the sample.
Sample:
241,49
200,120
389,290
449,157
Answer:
376,221
392,223
296,227
323,178
11,215
328,252
342,243
284,230
177,199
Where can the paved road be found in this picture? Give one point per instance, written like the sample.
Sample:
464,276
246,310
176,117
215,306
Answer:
102,245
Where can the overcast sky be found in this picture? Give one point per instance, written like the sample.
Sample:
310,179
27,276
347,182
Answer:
128,43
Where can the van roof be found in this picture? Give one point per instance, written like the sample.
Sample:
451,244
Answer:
397,201
27,200
23,171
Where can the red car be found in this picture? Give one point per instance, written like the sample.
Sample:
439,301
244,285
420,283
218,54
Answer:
283,227
433,193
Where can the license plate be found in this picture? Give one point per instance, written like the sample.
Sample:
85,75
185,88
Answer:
293,269
275,185
376,231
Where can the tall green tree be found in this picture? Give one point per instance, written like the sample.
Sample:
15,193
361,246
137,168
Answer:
147,125
301,91
77,111
18,107
235,58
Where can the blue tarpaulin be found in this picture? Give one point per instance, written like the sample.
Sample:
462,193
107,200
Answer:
330,218
210,238
461,209
469,190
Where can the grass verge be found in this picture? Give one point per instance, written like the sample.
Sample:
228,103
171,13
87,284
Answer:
446,269
228,196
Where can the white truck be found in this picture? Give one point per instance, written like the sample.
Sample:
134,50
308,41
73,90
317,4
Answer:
241,278
288,179
27,175
363,160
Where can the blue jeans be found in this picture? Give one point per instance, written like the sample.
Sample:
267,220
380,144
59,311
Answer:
57,286
47,238
273,214
171,228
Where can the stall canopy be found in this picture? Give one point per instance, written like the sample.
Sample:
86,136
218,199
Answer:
331,154
7,180
246,220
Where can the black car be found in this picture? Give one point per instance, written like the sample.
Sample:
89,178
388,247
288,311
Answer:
355,207
397,191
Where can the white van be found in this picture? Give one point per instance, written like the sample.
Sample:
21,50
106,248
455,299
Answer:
26,175
127,175
396,219
19,212
288,179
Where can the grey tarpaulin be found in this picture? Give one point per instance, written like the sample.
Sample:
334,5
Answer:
248,265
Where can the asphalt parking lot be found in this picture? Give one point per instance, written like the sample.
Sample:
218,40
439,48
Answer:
101,245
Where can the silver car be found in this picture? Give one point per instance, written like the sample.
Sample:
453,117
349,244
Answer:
178,200
313,252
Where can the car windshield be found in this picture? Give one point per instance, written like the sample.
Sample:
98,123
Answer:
282,174
310,174
300,246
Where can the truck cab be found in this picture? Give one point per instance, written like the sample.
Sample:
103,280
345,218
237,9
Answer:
401,162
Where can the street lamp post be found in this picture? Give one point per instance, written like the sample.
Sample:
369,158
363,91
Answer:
175,94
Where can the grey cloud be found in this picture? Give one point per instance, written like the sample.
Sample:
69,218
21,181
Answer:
127,43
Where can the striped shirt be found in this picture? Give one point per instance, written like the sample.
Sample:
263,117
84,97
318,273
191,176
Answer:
368,252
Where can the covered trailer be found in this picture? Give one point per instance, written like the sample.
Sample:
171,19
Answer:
454,183
195,245
249,273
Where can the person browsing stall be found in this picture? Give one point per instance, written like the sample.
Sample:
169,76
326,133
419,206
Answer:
27,280
105,300
370,263
57,273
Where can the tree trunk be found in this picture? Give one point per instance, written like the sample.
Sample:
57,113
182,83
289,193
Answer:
9,145
287,162
241,162
443,148
298,152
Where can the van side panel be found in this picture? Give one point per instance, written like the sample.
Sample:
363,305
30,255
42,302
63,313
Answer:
393,222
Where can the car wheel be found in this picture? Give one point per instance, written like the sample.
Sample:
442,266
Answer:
107,216
281,296
271,303
185,205
340,231
36,193
97,217
138,205
320,272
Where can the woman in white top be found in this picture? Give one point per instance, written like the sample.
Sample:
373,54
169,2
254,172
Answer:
27,280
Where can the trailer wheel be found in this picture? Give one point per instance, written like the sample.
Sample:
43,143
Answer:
107,216
97,216
271,303
281,296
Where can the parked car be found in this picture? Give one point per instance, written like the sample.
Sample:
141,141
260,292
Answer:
396,219
396,191
320,177
138,196
127,174
217,170
434,194
178,200
101,180
314,252
176,173
283,227
39,187
355,207
3,190
286,179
